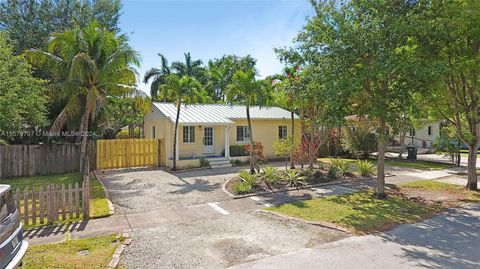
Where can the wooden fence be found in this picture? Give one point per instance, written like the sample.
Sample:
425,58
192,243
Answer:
47,159
40,206
123,153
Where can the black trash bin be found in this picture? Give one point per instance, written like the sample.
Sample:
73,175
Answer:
412,153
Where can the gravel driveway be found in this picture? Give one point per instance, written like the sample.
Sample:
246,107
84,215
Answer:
141,190
222,242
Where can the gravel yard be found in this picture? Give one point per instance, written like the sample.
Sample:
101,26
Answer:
141,190
222,242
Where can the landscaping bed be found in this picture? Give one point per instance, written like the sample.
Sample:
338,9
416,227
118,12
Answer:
271,179
416,164
82,253
361,213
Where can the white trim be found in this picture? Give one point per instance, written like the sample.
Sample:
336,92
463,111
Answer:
195,135
213,140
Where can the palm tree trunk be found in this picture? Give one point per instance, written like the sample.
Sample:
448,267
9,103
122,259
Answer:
83,134
380,190
174,168
252,146
292,160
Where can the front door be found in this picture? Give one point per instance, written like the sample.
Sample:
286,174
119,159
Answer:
208,140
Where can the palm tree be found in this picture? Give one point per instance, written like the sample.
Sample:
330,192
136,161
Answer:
245,89
88,65
191,68
158,75
185,90
288,83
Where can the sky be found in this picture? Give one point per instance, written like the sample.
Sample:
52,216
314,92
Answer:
210,29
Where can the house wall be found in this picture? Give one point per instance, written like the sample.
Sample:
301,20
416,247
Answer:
265,131
421,135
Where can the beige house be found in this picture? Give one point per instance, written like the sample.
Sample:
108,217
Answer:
209,130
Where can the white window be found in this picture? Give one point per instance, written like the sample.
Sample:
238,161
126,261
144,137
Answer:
412,132
282,132
153,131
243,134
188,134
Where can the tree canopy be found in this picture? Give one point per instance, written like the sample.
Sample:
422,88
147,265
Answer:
22,97
29,23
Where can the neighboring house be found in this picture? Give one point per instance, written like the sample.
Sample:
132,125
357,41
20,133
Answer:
209,130
422,137
425,136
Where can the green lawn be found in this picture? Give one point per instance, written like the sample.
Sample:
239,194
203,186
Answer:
99,205
440,187
423,165
38,181
358,212
66,254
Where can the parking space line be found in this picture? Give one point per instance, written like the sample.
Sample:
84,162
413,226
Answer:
218,208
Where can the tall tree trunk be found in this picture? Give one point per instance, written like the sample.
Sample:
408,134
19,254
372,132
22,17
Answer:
292,154
380,190
83,133
175,137
402,142
252,146
472,166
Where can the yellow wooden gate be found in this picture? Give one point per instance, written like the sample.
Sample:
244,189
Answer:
122,153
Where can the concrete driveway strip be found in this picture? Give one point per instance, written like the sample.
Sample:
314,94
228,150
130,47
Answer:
450,240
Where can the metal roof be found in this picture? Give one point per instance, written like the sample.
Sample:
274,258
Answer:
219,113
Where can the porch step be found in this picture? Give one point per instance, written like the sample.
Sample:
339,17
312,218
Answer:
219,162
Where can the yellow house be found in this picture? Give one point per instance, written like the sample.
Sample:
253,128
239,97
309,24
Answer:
209,130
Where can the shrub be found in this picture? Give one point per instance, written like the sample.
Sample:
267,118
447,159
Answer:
332,171
294,178
237,150
238,162
258,155
365,167
359,140
343,167
242,187
204,162
124,134
283,148
269,175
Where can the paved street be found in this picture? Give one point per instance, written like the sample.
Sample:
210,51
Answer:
446,241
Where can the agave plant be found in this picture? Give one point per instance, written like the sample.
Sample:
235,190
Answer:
365,167
247,177
342,167
294,178
269,175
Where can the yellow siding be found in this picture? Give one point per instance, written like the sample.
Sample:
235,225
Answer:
266,131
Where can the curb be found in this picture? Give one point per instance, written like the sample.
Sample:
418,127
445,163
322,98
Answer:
118,252
224,189
316,223
107,194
